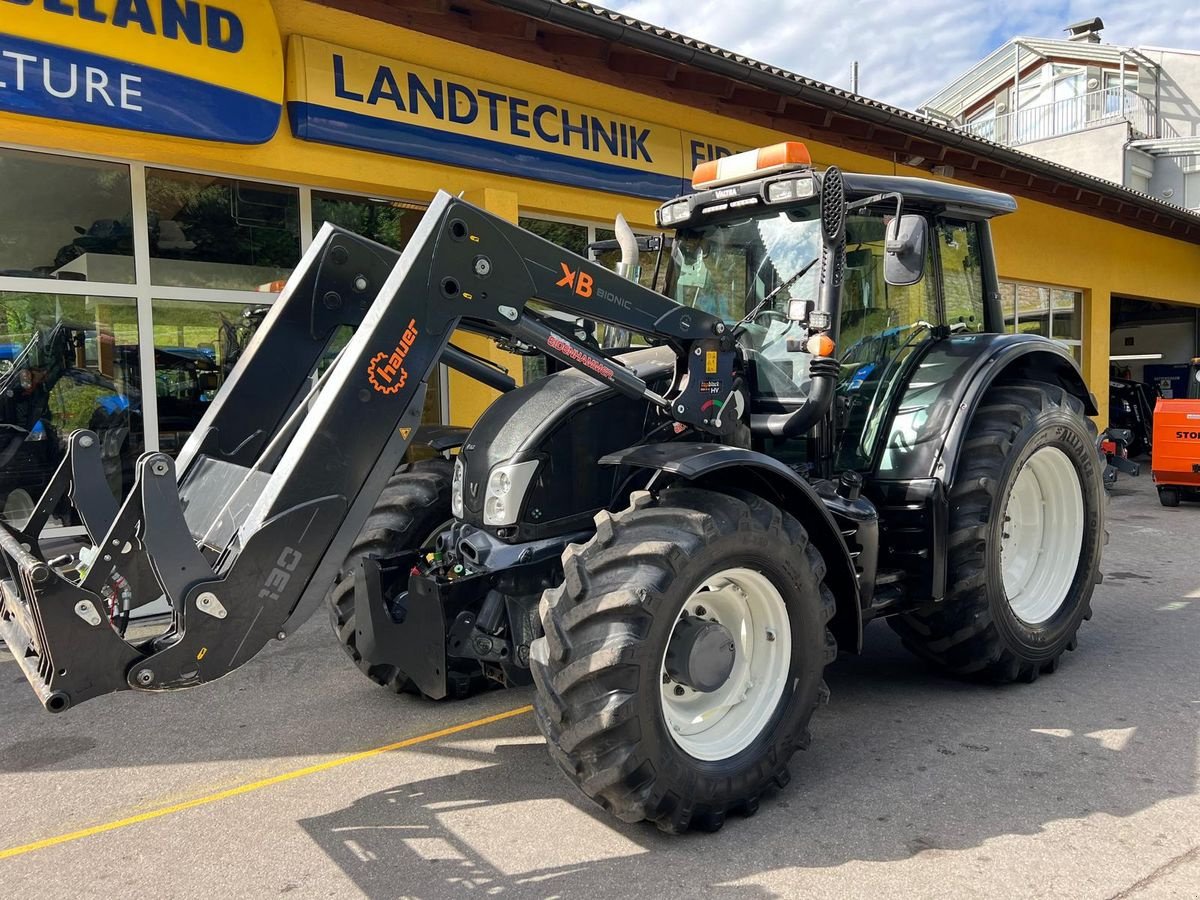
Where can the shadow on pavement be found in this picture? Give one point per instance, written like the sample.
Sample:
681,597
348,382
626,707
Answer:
903,762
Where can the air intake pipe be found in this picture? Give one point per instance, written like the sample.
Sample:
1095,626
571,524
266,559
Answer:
822,321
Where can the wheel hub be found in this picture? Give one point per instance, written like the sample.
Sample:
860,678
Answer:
725,666
701,655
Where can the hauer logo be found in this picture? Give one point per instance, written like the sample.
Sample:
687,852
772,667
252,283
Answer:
579,282
386,370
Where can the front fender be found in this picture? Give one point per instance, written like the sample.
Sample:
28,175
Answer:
929,423
719,467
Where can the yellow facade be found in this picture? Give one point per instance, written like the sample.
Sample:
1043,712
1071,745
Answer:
1040,243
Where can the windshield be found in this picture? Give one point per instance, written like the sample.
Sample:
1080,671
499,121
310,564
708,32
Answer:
727,268
730,268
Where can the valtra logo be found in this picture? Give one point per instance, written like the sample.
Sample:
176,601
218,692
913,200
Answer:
386,370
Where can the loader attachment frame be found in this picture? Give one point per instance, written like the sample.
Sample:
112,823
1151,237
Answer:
244,532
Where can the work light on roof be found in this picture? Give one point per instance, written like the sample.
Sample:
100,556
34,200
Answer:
752,164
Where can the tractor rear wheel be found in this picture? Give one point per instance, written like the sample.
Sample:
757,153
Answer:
683,656
412,508
1025,537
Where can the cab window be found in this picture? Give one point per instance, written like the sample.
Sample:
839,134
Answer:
962,274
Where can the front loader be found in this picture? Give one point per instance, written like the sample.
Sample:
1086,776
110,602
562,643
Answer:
818,423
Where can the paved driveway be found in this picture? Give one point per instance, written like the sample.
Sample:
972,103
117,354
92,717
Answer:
1081,785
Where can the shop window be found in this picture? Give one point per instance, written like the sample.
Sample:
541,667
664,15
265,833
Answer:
220,233
66,362
67,219
388,222
566,234
196,344
1040,309
962,274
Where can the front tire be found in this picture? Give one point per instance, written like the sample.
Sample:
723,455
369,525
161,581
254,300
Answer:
1025,537
412,508
602,668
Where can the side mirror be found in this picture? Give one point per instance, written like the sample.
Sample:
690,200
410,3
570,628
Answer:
904,256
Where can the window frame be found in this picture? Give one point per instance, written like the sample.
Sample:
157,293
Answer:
1074,344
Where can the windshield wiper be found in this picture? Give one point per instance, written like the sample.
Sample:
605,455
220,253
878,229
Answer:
781,287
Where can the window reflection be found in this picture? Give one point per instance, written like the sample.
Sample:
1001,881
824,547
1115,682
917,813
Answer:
196,344
65,363
388,222
68,219
212,232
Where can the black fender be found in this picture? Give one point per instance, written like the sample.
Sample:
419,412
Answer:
929,422
719,467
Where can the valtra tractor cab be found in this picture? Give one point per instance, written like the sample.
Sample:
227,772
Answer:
820,423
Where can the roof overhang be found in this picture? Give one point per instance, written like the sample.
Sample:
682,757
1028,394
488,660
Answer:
603,45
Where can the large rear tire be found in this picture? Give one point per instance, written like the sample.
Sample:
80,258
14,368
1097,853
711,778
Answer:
1025,537
412,508
616,713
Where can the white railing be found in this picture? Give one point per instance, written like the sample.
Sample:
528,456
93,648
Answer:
1037,123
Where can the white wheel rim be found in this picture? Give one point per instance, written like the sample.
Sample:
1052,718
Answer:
1042,535
721,723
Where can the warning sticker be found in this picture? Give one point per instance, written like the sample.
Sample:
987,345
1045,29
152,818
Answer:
710,362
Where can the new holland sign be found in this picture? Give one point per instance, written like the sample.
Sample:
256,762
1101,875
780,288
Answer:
178,67
355,99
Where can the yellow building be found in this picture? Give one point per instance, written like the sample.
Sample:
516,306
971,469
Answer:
164,164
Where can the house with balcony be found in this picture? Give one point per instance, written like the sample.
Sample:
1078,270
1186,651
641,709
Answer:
1130,115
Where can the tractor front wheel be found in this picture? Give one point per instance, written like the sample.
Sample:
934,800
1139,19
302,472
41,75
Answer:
1025,537
413,508
683,656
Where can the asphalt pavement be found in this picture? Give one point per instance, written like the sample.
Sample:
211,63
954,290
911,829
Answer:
1082,785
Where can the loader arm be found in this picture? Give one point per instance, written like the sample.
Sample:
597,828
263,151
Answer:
245,531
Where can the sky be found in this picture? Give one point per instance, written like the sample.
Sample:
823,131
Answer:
906,51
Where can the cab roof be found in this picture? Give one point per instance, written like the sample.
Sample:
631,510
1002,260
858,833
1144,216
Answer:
971,201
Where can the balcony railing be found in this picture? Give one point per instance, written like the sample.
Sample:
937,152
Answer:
1037,123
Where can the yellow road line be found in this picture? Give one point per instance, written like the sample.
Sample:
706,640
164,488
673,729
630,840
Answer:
258,785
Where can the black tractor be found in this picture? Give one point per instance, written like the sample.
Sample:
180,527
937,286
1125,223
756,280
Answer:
817,424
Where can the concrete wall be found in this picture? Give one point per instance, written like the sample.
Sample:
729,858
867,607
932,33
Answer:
1098,151
1167,181
1179,90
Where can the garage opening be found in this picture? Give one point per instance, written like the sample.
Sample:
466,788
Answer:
1151,349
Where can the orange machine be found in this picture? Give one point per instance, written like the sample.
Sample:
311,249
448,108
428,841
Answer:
1175,459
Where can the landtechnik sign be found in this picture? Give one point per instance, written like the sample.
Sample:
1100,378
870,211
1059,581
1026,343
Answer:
178,67
354,99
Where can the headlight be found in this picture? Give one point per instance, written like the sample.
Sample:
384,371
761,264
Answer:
506,489
790,189
456,490
672,213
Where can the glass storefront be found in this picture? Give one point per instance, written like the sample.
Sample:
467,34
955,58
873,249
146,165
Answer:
66,362
194,276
